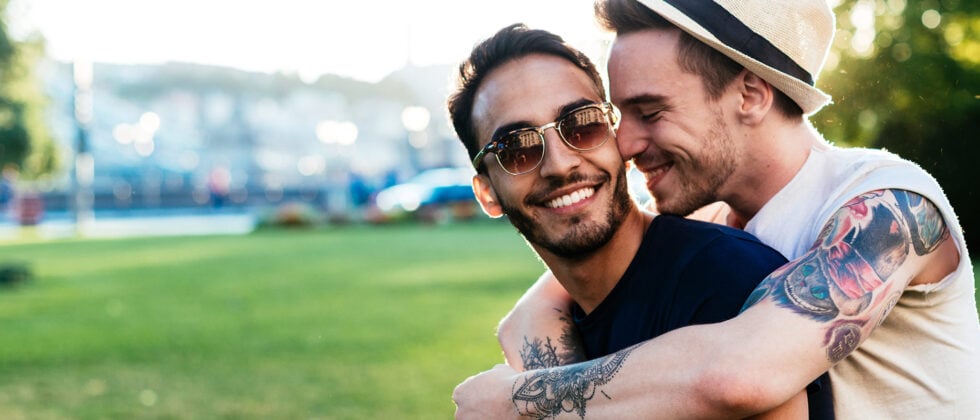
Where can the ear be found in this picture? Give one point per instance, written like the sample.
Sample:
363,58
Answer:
757,97
487,196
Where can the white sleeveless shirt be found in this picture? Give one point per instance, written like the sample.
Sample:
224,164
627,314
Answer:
923,362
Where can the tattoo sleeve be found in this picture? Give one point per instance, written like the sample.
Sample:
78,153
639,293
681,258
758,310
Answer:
540,353
566,389
847,280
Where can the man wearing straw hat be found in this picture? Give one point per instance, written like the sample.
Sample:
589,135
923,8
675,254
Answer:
879,289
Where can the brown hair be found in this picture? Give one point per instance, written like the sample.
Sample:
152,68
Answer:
508,44
716,70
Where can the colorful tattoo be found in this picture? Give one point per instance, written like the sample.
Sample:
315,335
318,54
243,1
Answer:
849,269
550,392
928,230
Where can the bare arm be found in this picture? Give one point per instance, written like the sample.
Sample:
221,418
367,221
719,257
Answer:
538,332
553,341
803,318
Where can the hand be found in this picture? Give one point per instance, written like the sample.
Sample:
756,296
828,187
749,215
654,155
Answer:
487,395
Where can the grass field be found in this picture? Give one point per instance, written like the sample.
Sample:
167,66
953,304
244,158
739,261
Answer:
346,323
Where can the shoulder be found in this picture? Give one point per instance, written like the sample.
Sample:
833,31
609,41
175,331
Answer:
862,161
707,233
861,172
718,248
718,268
874,172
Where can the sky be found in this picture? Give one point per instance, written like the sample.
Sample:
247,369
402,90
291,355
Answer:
365,40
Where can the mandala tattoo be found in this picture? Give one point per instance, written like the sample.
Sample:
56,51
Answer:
567,389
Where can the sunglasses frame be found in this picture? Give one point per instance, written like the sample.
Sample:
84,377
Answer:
607,108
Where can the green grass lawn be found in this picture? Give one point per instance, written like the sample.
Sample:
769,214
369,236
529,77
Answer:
334,323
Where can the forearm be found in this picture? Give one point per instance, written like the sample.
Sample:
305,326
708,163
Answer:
728,370
610,387
693,372
539,332
796,408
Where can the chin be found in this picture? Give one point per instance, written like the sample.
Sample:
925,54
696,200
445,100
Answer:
674,207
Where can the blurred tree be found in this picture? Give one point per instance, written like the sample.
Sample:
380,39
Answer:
905,76
24,140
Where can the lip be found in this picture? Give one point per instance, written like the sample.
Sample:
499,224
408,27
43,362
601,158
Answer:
584,193
655,174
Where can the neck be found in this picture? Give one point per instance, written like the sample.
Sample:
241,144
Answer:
589,280
774,154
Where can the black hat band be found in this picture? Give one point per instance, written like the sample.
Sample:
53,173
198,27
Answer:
733,33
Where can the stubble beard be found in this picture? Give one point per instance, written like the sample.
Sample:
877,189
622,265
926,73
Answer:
582,238
703,178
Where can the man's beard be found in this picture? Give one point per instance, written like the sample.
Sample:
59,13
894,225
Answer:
700,184
582,238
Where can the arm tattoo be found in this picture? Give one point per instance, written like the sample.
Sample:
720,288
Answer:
842,338
849,268
550,392
926,226
538,353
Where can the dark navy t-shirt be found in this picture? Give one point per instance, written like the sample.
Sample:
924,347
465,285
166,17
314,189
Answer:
686,272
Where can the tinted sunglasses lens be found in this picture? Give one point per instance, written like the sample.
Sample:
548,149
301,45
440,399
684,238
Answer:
520,151
586,128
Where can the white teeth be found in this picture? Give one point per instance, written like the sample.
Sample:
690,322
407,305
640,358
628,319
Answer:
657,172
569,199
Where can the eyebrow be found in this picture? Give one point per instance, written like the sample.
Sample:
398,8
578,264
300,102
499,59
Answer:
517,125
577,104
506,128
644,99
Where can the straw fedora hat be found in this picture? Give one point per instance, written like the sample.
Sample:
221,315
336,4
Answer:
784,42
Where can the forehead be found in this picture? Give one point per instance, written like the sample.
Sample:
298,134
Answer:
531,89
645,63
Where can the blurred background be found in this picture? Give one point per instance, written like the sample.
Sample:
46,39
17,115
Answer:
157,158
116,107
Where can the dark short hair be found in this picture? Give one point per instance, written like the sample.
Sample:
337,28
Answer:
508,44
716,70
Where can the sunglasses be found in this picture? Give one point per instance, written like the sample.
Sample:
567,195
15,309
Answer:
522,150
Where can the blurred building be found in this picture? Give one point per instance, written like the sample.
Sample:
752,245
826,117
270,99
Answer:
159,133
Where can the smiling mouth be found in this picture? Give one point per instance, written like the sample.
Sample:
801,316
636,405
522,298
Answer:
571,198
657,171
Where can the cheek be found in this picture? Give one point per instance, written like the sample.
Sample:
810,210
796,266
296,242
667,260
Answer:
512,189
610,155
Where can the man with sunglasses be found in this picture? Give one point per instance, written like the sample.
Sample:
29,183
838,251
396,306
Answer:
530,111
880,290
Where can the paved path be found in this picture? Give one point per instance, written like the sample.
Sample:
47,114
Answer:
120,224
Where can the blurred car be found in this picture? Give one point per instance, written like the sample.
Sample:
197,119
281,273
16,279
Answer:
430,194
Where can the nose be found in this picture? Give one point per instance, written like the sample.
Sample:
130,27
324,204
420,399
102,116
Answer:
559,159
630,139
